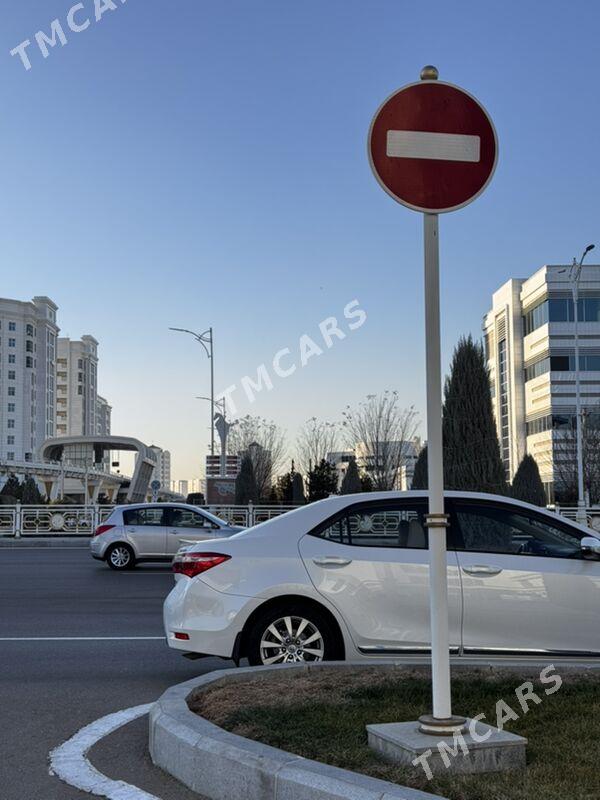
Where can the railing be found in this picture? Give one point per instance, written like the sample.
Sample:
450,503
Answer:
248,516
23,520
570,512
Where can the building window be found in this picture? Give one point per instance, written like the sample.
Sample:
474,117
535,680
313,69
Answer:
29,346
504,421
12,326
587,363
80,390
12,359
29,330
28,457
10,439
80,363
10,423
10,456
535,317
561,309
80,377
537,369
11,391
11,408
29,361
12,375
12,342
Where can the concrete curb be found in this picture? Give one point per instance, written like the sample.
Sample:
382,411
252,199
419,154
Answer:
223,766
75,542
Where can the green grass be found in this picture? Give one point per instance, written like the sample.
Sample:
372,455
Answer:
323,717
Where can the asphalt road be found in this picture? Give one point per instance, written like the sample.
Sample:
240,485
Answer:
57,673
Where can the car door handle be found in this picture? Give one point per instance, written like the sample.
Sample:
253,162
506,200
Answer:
332,561
482,569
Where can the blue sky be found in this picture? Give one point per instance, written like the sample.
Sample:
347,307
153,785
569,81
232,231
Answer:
201,163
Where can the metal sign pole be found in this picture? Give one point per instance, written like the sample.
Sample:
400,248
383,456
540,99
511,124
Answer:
442,721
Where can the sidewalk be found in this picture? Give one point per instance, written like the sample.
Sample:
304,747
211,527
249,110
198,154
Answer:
46,541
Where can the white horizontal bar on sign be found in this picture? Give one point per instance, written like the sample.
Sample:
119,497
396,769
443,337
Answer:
440,146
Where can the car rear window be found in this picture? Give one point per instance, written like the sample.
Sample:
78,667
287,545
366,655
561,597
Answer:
143,516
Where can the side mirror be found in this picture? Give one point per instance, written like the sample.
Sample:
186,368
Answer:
590,546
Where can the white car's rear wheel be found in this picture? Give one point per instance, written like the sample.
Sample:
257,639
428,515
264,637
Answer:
291,635
120,556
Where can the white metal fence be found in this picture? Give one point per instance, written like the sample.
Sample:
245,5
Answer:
23,520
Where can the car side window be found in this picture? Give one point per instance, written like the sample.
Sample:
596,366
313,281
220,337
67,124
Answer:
493,529
398,525
186,518
144,516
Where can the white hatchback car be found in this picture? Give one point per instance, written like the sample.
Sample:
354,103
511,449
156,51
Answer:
348,577
154,532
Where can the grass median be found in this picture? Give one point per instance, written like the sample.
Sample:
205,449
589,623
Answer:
322,715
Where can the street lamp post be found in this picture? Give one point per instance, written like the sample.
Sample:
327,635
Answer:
222,407
205,339
575,276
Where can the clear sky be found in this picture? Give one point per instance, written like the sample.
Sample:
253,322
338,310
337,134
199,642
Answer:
199,163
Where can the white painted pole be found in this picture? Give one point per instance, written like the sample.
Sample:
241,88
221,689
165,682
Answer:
440,653
581,516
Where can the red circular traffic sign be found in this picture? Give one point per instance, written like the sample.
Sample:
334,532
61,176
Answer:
433,147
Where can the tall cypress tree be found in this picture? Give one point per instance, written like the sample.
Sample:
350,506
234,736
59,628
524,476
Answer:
322,481
472,458
351,483
527,484
12,490
420,479
246,490
298,497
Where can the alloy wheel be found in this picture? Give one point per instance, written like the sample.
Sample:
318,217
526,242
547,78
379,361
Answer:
291,639
120,557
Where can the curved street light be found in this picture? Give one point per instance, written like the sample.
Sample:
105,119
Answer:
574,277
206,340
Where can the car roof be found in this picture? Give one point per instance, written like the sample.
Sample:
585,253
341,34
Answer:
350,499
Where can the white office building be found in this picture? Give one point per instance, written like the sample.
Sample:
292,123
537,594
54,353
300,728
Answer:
530,348
28,335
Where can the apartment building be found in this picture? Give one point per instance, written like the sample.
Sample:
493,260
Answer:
28,336
77,387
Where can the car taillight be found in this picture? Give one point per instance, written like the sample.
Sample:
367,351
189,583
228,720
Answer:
192,564
102,529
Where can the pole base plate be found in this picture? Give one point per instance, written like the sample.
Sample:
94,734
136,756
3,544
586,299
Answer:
432,726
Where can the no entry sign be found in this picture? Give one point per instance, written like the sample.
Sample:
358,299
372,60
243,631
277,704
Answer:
433,147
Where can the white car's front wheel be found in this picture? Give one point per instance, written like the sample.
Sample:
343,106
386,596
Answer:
292,634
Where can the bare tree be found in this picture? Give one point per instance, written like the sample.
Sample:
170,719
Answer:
315,440
264,441
381,433
564,446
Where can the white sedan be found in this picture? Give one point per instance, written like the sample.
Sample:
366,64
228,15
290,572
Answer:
348,577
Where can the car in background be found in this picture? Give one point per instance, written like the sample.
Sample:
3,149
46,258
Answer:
154,532
348,578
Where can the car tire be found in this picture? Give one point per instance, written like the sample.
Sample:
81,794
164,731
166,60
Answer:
120,557
309,636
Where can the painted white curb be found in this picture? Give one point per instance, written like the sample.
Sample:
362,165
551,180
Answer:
223,766
68,762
